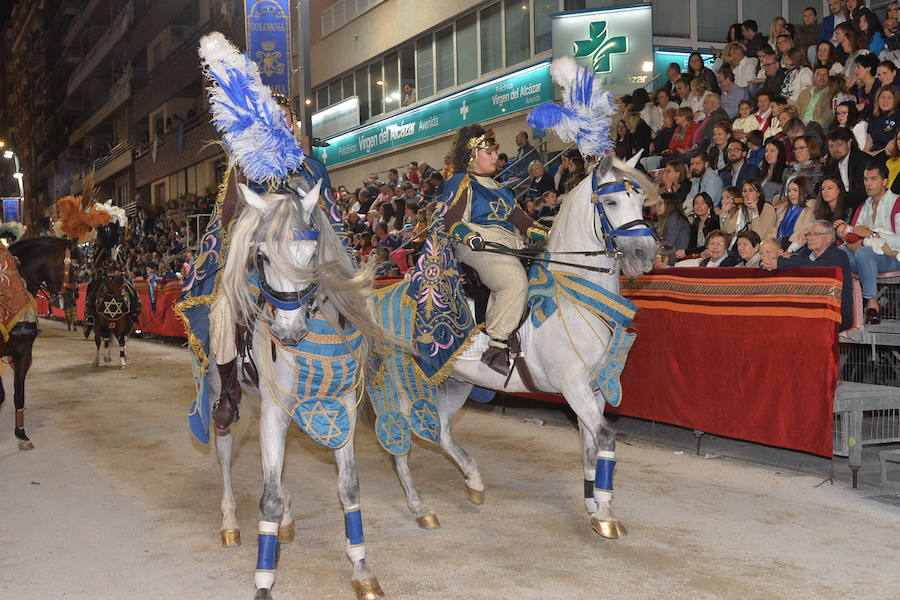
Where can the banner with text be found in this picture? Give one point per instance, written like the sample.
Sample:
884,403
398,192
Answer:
511,93
268,29
616,43
10,209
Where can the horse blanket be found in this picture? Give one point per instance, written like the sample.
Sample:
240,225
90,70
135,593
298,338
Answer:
15,301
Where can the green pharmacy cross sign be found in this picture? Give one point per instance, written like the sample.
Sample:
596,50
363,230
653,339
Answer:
599,48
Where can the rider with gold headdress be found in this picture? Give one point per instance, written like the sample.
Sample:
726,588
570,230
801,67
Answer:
482,211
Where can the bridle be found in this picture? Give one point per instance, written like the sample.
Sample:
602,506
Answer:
608,233
287,300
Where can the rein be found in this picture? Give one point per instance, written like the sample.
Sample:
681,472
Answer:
501,249
608,232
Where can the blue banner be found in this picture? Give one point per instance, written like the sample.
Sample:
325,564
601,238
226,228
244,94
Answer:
268,24
10,210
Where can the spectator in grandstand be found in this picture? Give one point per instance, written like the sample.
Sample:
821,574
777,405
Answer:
748,248
808,32
871,26
673,226
867,84
807,154
798,75
540,180
767,121
665,256
673,74
872,238
682,138
772,172
884,120
751,212
576,171
703,180
814,103
772,69
838,15
743,66
731,94
647,110
746,121
778,28
683,93
639,135
887,73
675,180
853,43
447,170
735,33
827,56
409,94
848,164
796,215
754,39
847,117
717,250
718,148
697,70
714,113
503,171
524,155
384,239
820,251
831,203
663,136
705,221
755,148
738,170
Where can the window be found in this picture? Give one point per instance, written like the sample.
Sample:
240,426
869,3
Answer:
795,11
159,193
362,90
334,92
424,67
466,49
347,86
407,66
322,98
391,82
670,19
518,31
376,81
714,17
542,11
491,39
763,11
443,46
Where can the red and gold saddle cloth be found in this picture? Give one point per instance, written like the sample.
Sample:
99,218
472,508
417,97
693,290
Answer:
15,301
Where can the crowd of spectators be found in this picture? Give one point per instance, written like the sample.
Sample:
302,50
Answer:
780,132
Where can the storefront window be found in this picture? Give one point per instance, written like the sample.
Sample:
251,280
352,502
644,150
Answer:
491,39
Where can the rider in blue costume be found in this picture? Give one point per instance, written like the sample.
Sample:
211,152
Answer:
482,211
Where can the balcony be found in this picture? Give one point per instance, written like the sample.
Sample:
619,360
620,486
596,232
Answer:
118,95
167,158
176,72
101,49
105,166
80,22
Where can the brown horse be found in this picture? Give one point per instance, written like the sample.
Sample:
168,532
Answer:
117,309
18,348
46,262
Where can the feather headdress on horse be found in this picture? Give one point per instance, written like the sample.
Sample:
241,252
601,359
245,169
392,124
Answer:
79,215
12,231
584,115
251,123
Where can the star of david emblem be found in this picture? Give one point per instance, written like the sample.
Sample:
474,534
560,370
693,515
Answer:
428,421
316,419
496,206
393,432
113,308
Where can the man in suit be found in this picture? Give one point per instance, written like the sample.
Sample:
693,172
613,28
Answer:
848,163
838,15
814,103
673,74
740,170
775,73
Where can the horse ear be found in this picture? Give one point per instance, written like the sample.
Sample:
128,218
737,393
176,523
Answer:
257,202
632,162
311,198
605,164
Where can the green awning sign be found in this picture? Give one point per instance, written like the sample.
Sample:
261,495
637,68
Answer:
511,93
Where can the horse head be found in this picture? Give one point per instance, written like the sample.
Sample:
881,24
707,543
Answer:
286,250
618,193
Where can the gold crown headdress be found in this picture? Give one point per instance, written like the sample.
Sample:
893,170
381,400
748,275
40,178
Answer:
485,141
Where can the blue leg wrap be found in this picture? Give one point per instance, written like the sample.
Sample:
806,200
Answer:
265,560
353,527
603,478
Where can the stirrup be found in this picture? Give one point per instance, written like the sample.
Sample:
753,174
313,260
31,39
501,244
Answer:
497,359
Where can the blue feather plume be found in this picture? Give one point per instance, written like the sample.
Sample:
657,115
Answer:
584,116
244,112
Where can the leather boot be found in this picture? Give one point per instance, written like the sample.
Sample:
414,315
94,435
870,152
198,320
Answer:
225,411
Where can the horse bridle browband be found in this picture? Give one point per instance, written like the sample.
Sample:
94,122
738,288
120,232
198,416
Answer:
608,232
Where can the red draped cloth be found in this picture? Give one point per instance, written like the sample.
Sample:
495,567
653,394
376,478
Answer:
157,318
741,353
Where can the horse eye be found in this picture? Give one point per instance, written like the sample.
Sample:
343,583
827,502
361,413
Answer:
610,202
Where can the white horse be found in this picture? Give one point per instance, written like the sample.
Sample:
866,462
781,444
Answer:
564,353
310,337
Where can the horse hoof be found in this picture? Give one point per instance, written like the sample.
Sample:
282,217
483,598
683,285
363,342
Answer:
95,364
263,594
286,533
611,530
122,367
26,445
476,497
107,359
230,537
367,589
429,522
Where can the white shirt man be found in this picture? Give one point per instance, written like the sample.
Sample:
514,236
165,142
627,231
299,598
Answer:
745,67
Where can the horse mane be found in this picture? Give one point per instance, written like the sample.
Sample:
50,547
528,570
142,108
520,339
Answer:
346,287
